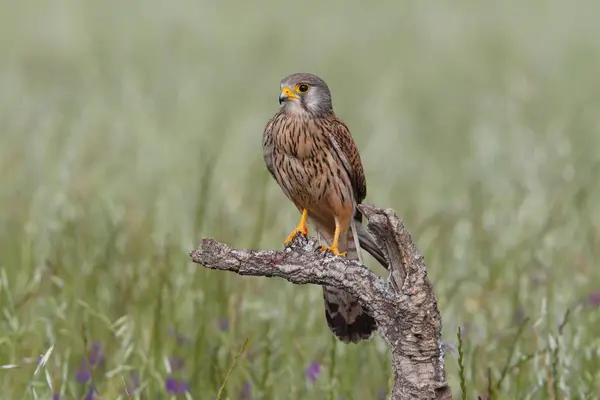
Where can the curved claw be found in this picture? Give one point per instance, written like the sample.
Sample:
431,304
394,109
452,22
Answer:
293,234
333,250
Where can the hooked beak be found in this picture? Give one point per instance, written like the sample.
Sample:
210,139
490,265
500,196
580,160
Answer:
287,95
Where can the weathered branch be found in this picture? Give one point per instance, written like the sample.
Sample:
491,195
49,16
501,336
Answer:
404,306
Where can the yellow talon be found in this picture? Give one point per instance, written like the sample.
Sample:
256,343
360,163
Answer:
334,246
301,228
333,250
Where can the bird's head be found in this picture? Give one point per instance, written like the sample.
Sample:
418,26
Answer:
305,93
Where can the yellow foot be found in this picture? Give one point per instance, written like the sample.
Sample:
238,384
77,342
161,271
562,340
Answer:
295,232
333,250
300,229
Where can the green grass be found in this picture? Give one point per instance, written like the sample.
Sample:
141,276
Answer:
132,129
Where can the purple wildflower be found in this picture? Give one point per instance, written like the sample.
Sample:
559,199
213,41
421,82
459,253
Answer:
56,396
94,359
223,323
83,373
382,395
181,339
135,379
176,363
246,392
95,355
251,355
175,386
91,394
594,299
313,371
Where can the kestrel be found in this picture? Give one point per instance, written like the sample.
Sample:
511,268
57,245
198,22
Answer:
312,156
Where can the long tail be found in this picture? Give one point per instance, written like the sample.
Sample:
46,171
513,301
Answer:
346,318
366,241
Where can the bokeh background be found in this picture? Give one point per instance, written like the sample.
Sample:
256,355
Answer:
132,129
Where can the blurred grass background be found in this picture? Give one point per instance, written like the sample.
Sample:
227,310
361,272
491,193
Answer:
131,129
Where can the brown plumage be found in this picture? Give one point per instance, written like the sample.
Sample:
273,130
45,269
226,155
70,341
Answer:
313,158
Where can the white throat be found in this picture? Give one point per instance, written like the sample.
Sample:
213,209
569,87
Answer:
294,108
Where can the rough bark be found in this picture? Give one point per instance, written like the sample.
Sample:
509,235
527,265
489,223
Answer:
404,306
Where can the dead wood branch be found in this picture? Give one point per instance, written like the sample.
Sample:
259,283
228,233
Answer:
404,306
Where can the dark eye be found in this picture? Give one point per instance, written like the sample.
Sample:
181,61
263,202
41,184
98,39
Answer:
303,88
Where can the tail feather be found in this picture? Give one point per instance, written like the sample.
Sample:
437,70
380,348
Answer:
346,318
367,242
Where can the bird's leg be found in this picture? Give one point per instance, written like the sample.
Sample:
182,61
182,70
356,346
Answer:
334,246
301,228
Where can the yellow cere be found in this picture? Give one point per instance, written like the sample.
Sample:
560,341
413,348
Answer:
287,92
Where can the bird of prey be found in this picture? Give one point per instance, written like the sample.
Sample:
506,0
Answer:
312,156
